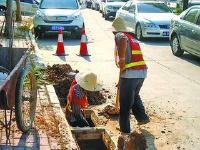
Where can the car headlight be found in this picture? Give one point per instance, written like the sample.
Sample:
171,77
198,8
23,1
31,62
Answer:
149,25
109,7
41,15
75,16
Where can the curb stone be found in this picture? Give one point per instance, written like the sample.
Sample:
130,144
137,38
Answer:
64,127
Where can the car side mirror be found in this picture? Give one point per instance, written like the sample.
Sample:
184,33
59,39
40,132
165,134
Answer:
35,6
82,6
132,11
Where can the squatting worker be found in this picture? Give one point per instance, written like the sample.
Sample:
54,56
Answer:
133,71
77,98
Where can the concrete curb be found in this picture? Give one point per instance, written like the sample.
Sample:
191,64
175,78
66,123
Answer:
64,127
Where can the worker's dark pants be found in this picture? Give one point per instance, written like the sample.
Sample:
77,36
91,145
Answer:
130,99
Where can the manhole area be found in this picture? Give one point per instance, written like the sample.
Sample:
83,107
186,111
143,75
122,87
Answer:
90,139
91,118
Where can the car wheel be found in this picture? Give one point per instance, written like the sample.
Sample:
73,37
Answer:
38,34
175,46
106,17
139,35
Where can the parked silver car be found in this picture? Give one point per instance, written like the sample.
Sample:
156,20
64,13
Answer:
28,7
185,32
146,18
60,14
110,7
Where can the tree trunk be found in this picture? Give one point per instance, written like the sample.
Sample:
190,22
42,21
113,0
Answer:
8,15
185,4
18,11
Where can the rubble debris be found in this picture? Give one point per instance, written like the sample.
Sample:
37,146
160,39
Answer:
96,98
135,141
58,74
109,110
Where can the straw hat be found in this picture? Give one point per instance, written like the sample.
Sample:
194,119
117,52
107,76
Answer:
119,25
88,81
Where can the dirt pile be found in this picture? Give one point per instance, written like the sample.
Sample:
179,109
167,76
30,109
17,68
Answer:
135,141
59,75
108,111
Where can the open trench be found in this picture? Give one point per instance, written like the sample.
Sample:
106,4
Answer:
87,138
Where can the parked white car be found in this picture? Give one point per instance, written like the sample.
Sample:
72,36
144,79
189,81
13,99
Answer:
28,7
110,7
60,14
147,18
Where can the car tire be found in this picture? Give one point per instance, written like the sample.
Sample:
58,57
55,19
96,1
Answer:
106,17
175,46
38,34
138,31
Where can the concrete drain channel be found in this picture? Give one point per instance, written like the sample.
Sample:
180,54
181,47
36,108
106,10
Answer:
88,138
94,137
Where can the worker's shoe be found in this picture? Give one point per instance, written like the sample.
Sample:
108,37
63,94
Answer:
142,122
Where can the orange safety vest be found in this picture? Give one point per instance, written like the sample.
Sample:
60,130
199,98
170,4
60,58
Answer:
78,101
137,62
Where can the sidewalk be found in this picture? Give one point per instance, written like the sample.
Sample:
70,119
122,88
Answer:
50,129
45,134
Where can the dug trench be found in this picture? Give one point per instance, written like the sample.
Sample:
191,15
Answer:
87,138
99,136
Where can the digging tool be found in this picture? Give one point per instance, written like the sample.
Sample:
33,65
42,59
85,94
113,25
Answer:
117,96
114,110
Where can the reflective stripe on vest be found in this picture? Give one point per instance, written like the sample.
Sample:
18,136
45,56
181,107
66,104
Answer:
135,52
133,64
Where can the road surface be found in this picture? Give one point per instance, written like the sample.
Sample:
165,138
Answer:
171,92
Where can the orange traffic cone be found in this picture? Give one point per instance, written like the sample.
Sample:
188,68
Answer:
60,44
83,44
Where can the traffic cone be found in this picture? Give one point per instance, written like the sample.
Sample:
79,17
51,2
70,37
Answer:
83,44
60,44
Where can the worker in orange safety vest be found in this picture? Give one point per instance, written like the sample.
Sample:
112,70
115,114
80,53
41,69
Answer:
77,98
133,71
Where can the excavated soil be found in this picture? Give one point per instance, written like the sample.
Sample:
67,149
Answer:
135,141
58,74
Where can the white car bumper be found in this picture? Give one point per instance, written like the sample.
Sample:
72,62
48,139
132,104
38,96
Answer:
70,25
160,33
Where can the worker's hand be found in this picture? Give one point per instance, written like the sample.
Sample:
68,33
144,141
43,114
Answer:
121,64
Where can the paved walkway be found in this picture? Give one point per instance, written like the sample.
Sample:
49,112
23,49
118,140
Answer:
43,136
50,129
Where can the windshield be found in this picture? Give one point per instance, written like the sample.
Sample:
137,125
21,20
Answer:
153,8
59,4
114,0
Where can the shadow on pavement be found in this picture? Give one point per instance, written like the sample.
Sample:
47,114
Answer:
156,42
191,58
150,138
51,39
30,140
85,57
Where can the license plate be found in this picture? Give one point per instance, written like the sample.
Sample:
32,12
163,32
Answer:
165,33
56,28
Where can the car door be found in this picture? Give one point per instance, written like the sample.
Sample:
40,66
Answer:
28,6
131,21
187,32
197,37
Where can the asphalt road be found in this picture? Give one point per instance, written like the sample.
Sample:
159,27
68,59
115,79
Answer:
171,91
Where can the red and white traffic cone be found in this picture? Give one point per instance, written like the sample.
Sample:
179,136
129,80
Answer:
83,44
60,44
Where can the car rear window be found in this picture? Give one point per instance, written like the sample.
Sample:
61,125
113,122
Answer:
152,8
59,4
